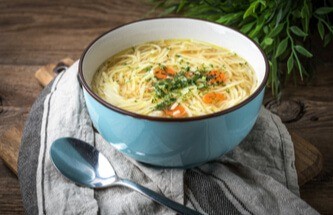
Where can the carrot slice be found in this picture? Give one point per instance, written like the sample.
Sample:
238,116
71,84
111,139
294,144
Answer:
213,73
170,70
164,73
160,74
212,98
218,77
177,112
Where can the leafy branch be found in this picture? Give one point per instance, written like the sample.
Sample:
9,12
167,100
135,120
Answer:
280,27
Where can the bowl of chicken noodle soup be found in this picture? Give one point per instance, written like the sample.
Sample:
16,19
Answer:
173,92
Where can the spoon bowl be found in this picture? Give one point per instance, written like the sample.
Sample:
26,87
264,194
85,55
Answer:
85,165
82,163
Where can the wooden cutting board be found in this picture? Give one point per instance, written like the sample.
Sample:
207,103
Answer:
308,160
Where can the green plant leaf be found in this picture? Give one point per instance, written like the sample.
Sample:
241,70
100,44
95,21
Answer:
297,14
181,5
279,17
321,29
305,24
276,30
275,77
305,12
324,10
328,38
270,77
268,41
297,31
287,8
246,28
299,66
258,28
228,18
300,49
262,2
290,63
281,47
306,15
169,10
251,10
256,39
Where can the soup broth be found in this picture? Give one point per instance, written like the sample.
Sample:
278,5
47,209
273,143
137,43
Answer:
175,78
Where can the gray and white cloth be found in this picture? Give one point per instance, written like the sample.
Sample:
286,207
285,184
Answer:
257,177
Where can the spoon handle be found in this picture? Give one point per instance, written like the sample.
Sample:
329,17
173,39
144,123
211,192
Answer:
179,208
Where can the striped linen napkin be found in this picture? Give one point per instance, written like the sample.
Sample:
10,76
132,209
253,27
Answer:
257,177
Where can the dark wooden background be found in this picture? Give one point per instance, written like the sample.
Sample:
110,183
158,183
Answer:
35,33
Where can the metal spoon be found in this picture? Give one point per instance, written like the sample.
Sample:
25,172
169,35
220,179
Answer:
85,165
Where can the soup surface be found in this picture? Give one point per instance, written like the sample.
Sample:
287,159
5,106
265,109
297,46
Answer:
174,78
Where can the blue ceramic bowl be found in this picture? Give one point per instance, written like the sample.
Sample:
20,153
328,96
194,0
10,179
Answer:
168,142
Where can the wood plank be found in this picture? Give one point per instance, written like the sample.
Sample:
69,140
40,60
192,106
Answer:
318,193
47,73
17,93
59,28
10,140
9,146
10,195
308,160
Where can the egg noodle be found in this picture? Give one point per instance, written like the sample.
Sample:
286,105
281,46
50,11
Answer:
174,78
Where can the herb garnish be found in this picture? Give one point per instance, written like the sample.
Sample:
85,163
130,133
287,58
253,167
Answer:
148,68
166,89
167,102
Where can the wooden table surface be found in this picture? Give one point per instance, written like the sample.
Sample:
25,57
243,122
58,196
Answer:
35,33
